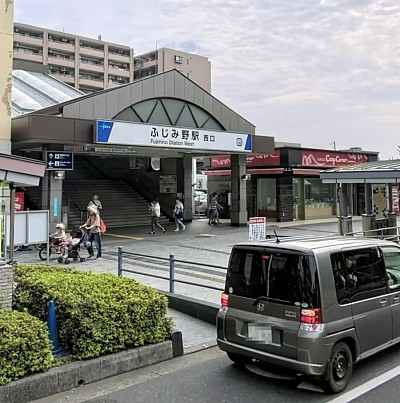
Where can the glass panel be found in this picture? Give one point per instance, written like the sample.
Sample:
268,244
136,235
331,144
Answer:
284,278
266,197
212,124
186,119
144,109
128,115
159,116
318,198
174,108
200,115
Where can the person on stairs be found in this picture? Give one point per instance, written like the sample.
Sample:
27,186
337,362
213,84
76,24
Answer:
96,202
178,215
155,212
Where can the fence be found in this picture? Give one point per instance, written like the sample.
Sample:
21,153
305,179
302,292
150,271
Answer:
381,232
172,261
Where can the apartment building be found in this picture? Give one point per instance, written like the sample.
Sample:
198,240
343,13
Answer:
87,64
195,67
93,64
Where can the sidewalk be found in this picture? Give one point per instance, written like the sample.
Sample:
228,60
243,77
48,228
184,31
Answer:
201,243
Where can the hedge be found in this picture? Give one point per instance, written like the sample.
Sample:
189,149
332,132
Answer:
96,313
24,345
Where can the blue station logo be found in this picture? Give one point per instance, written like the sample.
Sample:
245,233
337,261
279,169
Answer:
104,129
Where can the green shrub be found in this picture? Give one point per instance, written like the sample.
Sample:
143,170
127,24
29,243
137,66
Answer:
24,345
96,313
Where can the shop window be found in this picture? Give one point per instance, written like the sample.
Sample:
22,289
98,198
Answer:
318,198
266,197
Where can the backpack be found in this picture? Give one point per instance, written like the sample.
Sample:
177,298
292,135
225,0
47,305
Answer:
103,227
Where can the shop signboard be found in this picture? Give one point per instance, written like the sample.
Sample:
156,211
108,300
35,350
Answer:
19,202
161,136
395,198
331,158
257,228
252,160
168,184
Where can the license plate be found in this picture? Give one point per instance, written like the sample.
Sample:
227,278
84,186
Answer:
259,333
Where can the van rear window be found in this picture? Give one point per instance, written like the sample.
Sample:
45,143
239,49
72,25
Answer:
285,278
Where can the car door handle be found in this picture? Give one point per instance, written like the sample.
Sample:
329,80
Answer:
383,302
396,298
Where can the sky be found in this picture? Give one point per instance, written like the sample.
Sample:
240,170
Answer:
323,73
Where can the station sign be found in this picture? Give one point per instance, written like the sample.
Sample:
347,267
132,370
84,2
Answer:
160,136
59,161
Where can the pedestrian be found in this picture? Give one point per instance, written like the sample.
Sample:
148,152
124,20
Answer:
96,202
58,236
213,217
178,215
93,226
155,212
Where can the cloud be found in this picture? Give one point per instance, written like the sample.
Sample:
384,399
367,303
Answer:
307,70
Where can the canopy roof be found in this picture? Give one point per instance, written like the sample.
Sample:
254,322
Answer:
385,171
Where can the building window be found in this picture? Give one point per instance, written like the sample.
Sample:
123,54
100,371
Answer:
266,197
318,198
178,59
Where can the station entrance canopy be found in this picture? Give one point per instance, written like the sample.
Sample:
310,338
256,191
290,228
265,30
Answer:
166,115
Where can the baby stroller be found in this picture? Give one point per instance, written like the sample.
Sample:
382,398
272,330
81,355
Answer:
70,248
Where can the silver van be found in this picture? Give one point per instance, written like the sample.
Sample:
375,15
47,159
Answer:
311,305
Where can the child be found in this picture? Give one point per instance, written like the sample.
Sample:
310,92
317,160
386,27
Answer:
58,236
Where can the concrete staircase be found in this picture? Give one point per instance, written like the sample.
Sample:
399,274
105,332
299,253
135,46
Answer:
122,205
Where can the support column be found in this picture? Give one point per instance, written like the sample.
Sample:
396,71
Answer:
368,198
188,187
55,207
6,60
238,185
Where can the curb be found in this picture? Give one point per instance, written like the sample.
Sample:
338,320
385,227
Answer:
200,309
78,373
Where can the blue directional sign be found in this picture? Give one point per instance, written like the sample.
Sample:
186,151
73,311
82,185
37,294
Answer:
60,161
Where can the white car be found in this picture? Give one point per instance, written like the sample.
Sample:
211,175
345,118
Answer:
200,202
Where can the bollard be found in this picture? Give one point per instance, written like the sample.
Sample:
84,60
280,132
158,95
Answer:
56,350
171,274
119,267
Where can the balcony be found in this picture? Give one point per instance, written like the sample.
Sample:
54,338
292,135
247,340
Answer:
60,61
118,57
93,83
98,68
27,39
26,54
91,52
115,71
145,65
69,79
68,47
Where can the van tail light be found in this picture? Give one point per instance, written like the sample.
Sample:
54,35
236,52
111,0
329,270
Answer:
224,300
311,320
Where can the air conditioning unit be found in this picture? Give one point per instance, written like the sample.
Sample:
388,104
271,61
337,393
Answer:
63,40
17,45
50,51
119,78
63,69
50,67
16,30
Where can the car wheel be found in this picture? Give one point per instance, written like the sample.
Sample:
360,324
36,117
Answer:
239,359
339,369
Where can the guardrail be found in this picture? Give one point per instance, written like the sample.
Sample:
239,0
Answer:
388,233
171,278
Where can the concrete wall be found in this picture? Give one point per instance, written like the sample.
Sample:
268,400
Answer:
6,286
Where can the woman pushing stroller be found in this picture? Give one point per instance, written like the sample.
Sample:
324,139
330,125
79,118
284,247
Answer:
93,226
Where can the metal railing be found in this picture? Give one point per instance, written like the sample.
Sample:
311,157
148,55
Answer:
387,233
171,278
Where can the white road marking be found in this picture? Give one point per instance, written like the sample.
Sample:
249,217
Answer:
366,387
